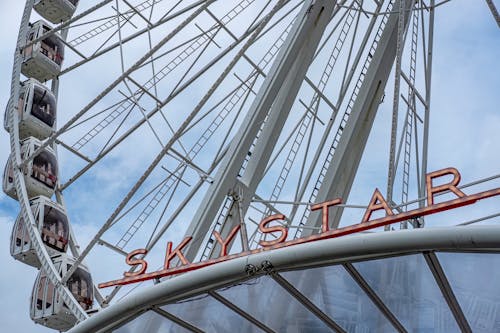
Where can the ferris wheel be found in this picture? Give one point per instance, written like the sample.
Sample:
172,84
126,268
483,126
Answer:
158,119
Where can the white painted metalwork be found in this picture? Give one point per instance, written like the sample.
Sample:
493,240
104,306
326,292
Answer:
38,110
336,251
48,306
252,109
53,226
40,174
43,59
56,11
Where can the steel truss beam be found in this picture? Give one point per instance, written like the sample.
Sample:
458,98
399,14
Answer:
150,168
447,291
161,105
303,256
177,320
363,284
240,311
306,302
340,174
125,74
189,118
274,101
494,11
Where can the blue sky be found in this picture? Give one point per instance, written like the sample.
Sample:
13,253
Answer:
465,128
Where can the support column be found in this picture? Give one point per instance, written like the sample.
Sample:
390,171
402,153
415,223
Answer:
273,100
343,168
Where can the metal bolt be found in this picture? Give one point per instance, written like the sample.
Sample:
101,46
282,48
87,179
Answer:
266,266
250,269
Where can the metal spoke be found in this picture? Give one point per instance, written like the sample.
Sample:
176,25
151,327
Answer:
447,291
177,320
240,312
305,301
363,284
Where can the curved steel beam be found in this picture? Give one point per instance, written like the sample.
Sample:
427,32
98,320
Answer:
327,252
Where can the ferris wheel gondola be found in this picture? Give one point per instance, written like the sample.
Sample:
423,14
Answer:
37,110
47,305
42,60
40,174
56,11
53,226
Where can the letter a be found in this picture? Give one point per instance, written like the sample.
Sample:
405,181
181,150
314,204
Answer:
376,203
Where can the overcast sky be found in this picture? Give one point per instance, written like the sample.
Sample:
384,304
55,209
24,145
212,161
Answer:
465,125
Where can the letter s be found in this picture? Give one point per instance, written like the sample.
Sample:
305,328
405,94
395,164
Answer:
278,228
133,262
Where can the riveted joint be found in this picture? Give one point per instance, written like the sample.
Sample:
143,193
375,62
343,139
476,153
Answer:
251,269
267,267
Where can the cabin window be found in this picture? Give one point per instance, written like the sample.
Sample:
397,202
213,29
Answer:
45,169
44,301
10,172
39,292
44,105
55,229
20,103
53,49
21,235
49,299
28,50
80,285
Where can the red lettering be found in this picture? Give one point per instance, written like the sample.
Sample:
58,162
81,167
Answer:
177,252
376,203
324,212
278,228
225,243
452,186
133,262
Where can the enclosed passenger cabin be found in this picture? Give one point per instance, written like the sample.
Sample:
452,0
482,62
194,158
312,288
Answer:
53,226
40,174
47,306
43,59
37,110
56,11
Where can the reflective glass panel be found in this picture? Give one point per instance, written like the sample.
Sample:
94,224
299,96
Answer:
21,238
20,104
55,230
52,47
474,278
408,288
39,292
45,168
269,303
80,284
44,105
28,50
334,291
210,315
9,172
151,322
